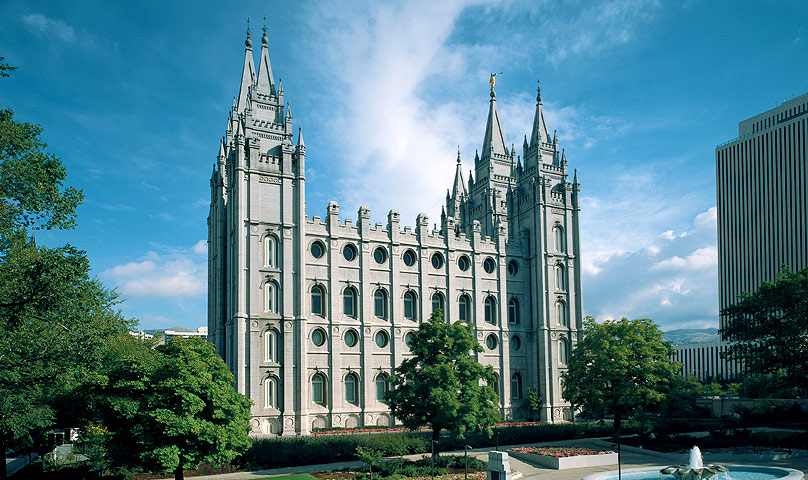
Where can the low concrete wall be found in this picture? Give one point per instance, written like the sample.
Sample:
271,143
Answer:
563,463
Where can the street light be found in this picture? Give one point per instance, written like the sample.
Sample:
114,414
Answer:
434,442
466,457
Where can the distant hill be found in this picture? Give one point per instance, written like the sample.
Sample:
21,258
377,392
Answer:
687,336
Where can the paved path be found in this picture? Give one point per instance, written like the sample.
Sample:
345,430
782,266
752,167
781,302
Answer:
631,457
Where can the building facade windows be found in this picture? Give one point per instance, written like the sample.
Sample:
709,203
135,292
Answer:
349,302
318,337
271,346
513,267
352,388
437,261
561,313
491,342
463,262
317,249
380,304
465,308
380,255
351,338
410,305
563,351
513,311
558,238
271,393
271,297
437,303
559,274
516,343
409,258
516,386
349,252
318,301
270,251
382,387
381,339
489,265
491,310
318,389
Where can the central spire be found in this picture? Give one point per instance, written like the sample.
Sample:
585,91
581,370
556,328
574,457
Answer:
494,140
538,133
266,84
248,74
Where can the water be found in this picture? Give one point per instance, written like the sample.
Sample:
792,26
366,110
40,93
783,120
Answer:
695,458
736,474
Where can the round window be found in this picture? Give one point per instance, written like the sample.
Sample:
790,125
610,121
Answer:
409,258
489,266
317,250
516,343
318,337
349,252
351,338
380,255
408,339
513,267
437,260
491,342
381,338
463,262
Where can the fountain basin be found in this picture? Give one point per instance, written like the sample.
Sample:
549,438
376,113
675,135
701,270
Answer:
736,472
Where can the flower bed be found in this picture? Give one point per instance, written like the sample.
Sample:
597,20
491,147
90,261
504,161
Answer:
561,458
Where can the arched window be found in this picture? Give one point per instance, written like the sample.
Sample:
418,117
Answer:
271,346
559,271
351,388
409,258
558,236
270,251
465,308
513,311
495,385
318,301
271,297
271,393
491,309
516,386
318,389
437,303
563,351
349,302
382,387
380,303
410,305
561,313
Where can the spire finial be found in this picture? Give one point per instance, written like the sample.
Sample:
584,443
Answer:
492,81
458,154
264,39
538,91
248,42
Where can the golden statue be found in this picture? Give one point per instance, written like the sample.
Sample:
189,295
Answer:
492,81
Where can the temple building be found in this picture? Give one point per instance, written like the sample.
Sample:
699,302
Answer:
310,312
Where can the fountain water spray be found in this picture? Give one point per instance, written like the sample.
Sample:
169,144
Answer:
695,469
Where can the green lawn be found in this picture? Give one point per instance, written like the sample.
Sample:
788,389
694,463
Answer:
296,476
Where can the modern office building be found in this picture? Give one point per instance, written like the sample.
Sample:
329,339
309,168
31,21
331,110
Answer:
705,361
311,312
762,198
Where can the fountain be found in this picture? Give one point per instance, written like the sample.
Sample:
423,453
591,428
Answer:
695,469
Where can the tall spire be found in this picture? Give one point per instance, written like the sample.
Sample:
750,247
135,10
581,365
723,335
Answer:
248,74
266,84
459,185
494,140
538,133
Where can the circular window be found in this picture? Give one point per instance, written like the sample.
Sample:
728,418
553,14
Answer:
317,249
489,266
380,255
409,258
408,339
318,337
491,342
382,339
513,267
351,338
516,343
463,262
437,260
349,252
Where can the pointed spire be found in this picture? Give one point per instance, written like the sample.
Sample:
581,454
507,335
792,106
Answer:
575,177
266,84
288,110
471,180
248,73
300,137
459,185
538,133
494,140
221,149
555,137
525,145
563,157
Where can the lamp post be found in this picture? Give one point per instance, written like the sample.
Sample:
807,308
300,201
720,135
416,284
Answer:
619,464
434,442
466,458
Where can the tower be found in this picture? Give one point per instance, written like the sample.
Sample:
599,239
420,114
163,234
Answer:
311,313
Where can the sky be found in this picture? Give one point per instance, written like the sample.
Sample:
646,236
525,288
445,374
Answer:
134,98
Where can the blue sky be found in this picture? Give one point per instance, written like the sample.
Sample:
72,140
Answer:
133,96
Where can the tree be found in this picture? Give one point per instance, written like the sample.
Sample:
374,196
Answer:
173,408
534,402
619,366
768,329
442,385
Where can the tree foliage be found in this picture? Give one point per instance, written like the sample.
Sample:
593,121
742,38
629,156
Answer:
768,329
173,407
619,366
442,385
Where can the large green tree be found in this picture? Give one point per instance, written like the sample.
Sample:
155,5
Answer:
768,329
173,407
442,385
618,367
54,317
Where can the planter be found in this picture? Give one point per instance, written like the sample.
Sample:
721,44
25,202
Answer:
564,463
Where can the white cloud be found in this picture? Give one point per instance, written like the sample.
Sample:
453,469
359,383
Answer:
42,25
176,274
200,247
